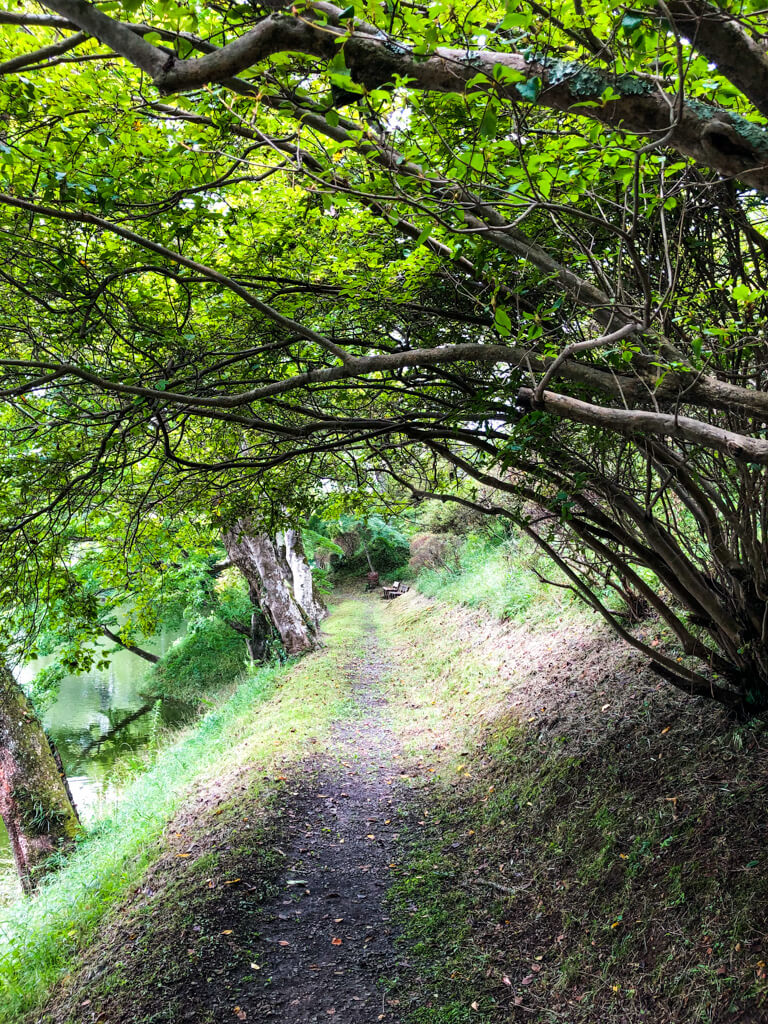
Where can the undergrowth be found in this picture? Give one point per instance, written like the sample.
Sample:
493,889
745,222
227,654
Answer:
274,711
204,660
501,576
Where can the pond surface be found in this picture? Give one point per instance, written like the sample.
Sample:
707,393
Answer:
98,719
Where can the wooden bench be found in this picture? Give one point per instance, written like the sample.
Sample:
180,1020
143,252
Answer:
395,590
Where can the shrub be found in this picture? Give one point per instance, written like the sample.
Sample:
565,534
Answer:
434,551
209,657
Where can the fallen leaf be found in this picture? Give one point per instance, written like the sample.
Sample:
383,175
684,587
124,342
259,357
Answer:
474,1006
240,1014
255,967
335,942
227,931
283,942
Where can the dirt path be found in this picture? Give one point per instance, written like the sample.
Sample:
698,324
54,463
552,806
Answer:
275,910
327,939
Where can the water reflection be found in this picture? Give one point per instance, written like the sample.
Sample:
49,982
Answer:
100,718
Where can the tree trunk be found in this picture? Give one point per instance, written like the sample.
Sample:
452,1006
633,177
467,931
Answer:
290,546
270,582
35,803
258,633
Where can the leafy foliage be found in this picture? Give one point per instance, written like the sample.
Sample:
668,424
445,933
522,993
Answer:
530,265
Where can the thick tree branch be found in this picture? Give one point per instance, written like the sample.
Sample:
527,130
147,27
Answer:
44,53
639,421
713,32
127,43
714,137
146,655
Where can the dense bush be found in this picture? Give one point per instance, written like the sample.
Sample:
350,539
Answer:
434,551
210,656
450,517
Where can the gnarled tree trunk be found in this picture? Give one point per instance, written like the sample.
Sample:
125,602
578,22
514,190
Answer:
270,582
289,545
258,633
35,802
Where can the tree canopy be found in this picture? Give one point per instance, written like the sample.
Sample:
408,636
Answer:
506,254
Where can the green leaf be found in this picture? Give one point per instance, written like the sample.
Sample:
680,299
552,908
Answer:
516,19
630,22
489,122
502,322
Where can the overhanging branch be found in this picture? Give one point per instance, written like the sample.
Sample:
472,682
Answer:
712,136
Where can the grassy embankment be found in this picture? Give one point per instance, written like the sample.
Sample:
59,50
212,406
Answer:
225,773
593,847
596,842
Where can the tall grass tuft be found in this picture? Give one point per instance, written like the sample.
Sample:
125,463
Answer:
504,577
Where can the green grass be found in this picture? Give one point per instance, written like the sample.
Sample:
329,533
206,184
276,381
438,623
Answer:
274,712
620,819
499,577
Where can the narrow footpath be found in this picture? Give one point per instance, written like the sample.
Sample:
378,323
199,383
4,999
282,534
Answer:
327,938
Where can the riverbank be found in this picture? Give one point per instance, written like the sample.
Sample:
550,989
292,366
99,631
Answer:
439,818
40,939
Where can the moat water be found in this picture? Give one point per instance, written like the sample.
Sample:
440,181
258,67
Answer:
99,721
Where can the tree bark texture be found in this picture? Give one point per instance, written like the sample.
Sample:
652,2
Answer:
289,545
270,582
35,803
